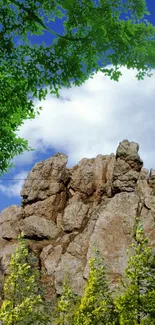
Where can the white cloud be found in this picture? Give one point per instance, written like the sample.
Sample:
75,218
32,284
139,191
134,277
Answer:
94,118
15,186
90,120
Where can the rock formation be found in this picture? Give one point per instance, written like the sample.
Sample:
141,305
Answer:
66,211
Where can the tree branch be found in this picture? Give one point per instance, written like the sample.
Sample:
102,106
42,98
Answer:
34,17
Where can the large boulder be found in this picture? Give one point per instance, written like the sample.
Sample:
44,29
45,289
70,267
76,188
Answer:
9,222
127,167
47,178
36,227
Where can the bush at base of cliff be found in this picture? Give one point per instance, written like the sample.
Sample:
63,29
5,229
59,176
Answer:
137,303
22,303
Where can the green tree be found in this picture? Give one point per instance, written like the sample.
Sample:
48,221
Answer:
119,35
22,303
136,305
97,306
66,306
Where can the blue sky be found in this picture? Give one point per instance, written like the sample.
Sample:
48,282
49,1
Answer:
86,121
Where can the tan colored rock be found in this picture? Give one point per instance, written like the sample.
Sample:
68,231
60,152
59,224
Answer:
9,221
7,249
74,215
121,167
92,177
45,179
143,188
72,267
143,175
126,182
48,208
126,167
128,151
103,171
113,232
12,213
151,179
148,218
79,246
9,230
66,211
109,174
37,227
82,177
50,258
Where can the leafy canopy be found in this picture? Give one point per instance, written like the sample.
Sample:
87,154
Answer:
95,33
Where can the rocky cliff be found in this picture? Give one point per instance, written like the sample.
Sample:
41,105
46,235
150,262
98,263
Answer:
65,212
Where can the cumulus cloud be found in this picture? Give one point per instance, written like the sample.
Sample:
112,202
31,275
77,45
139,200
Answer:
15,186
93,118
89,120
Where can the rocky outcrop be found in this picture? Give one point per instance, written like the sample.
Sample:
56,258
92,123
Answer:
127,167
65,212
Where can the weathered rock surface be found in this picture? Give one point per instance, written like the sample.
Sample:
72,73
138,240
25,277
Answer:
74,214
65,212
9,219
37,227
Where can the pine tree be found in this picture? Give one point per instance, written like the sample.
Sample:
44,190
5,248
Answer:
137,303
22,303
97,306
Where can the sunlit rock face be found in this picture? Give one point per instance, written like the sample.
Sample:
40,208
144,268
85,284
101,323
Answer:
66,212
